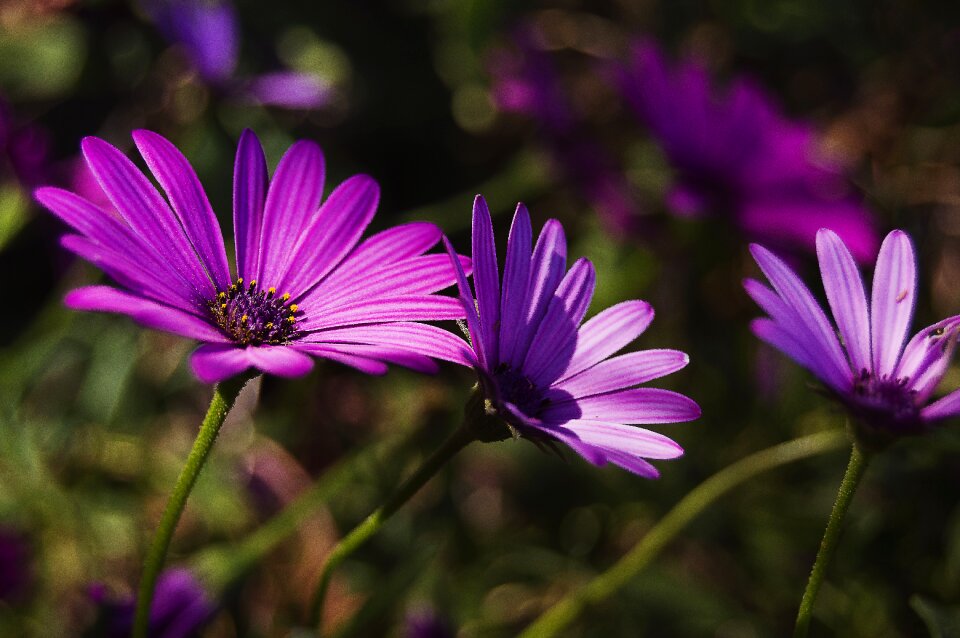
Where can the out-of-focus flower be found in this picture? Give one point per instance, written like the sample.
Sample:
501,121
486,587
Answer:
15,572
303,286
426,623
547,377
735,154
525,81
885,381
25,149
181,609
209,31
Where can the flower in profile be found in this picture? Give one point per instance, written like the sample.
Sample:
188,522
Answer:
525,81
209,32
735,154
181,609
303,286
550,379
885,381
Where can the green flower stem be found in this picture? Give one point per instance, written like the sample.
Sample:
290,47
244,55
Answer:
224,396
462,437
560,615
222,565
828,546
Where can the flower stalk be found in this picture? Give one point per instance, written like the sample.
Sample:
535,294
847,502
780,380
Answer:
360,534
224,396
828,545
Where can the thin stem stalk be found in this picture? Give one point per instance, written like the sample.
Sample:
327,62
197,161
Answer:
224,396
563,613
462,437
828,545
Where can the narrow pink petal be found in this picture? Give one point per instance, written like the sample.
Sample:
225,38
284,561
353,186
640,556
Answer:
386,247
516,276
213,363
486,279
143,311
553,344
380,353
469,308
139,203
250,181
808,313
547,267
625,438
844,287
417,337
403,308
363,364
894,296
607,333
292,200
636,406
189,202
927,357
281,361
945,408
332,234
773,334
624,371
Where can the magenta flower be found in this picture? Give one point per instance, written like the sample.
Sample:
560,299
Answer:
885,381
736,154
181,609
548,377
302,285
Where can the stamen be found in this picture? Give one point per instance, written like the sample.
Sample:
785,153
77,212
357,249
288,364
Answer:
252,316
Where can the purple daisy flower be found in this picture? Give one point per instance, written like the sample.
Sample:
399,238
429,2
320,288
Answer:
303,286
546,376
736,154
885,381
181,609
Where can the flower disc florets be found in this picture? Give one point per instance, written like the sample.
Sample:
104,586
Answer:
516,388
890,400
252,316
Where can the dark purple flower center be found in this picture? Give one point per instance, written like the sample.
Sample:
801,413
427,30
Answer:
252,316
517,389
886,401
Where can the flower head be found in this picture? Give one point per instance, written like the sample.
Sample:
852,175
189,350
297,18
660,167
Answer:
181,609
885,381
546,376
736,154
302,285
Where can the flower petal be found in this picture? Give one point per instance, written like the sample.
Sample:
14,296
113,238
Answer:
282,361
469,308
553,344
139,203
948,406
189,202
607,333
786,342
389,246
547,267
486,280
516,276
808,314
894,296
844,288
292,199
416,337
636,406
250,181
143,311
400,308
363,364
927,357
330,235
621,372
625,438
216,362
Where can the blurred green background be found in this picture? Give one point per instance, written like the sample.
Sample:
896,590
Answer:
97,415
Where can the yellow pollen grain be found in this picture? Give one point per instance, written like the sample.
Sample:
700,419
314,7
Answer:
293,307
272,290
286,296
243,319
291,319
269,324
223,306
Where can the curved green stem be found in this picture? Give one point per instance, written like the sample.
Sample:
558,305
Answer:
828,546
462,437
224,395
558,617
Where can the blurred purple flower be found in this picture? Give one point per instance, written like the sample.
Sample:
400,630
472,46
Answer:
181,609
546,376
209,31
526,82
305,287
25,149
884,381
15,573
426,623
736,154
